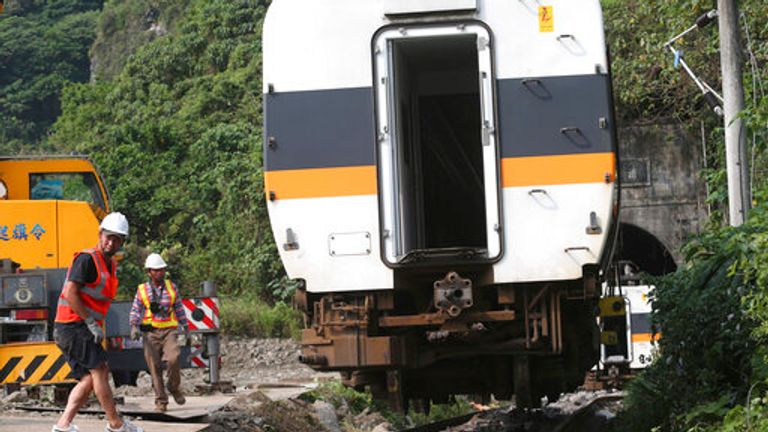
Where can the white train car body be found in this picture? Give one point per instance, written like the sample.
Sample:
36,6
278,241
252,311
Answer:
544,118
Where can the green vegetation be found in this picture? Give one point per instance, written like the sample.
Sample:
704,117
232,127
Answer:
43,47
712,373
125,26
248,315
649,89
173,119
177,134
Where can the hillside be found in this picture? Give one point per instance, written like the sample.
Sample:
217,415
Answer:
43,48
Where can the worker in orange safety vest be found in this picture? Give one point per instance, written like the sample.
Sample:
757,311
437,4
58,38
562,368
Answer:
88,291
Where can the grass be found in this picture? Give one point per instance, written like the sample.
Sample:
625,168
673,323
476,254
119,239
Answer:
250,316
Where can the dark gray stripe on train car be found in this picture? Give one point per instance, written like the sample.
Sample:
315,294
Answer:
319,129
6,370
532,113
54,369
335,128
641,323
31,368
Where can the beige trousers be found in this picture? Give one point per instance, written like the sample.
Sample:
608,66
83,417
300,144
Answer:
161,345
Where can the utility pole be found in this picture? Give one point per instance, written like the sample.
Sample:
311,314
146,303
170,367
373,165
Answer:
737,165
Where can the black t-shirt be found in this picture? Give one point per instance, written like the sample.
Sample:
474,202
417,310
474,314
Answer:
84,269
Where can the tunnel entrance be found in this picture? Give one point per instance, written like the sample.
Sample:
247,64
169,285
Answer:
642,248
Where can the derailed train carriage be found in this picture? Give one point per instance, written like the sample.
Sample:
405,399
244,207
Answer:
441,179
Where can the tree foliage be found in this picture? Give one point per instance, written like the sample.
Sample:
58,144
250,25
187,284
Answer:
177,134
648,88
43,47
713,312
713,317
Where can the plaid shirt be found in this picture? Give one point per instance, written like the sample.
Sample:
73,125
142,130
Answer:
137,310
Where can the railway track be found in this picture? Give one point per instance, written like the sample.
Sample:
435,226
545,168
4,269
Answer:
593,416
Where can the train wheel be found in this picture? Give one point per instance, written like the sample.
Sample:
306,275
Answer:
395,393
521,376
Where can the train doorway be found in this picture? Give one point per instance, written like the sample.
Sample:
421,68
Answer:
437,162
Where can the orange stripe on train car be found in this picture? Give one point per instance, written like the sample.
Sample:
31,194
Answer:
361,180
645,337
321,182
558,169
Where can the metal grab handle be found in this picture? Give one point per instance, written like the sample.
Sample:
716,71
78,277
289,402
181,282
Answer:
535,191
576,248
565,36
565,130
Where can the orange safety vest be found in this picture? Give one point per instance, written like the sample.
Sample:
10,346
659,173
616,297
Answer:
149,318
96,296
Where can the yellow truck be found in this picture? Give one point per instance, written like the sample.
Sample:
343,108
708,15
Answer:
50,208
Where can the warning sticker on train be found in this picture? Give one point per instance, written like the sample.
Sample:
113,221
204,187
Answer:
546,19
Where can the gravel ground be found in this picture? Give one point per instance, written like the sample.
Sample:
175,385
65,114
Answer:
246,363
249,363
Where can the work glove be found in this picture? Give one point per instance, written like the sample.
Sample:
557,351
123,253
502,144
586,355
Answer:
95,329
135,335
187,337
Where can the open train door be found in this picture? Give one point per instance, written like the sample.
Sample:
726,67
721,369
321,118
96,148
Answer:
437,145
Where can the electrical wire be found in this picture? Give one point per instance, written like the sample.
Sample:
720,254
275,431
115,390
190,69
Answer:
757,84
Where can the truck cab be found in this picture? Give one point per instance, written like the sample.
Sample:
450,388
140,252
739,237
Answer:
50,208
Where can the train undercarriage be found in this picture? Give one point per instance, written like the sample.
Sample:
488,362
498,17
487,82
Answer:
414,344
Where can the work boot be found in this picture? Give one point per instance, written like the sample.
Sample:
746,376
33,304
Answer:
161,407
179,398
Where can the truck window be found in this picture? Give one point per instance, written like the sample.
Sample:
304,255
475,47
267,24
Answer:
66,186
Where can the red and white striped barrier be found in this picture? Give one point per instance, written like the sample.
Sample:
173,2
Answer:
196,358
202,314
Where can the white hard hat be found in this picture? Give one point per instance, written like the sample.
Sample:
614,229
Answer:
115,223
155,261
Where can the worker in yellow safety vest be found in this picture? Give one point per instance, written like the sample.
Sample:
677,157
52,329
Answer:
158,312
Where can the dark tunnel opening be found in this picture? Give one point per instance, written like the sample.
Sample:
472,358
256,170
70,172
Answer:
644,250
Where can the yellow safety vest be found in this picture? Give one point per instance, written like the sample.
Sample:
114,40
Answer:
149,319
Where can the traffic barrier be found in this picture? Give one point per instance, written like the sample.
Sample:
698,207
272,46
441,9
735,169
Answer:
202,314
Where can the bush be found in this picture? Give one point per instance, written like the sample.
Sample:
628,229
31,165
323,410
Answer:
713,316
250,316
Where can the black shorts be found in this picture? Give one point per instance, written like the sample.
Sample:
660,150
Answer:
80,351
